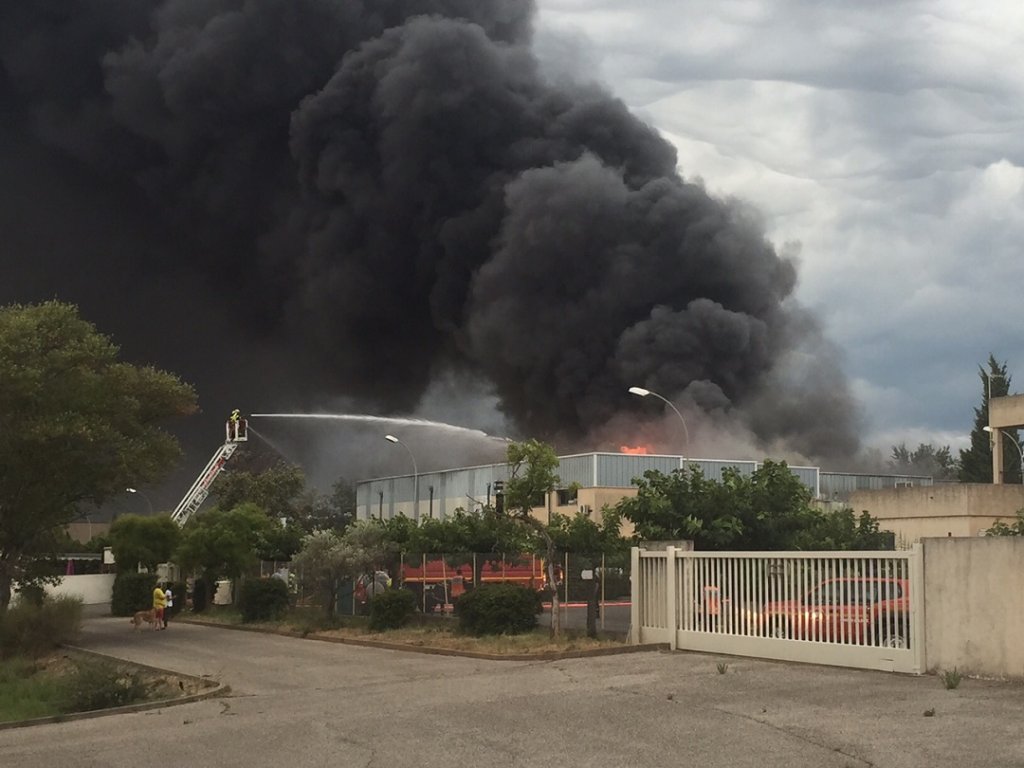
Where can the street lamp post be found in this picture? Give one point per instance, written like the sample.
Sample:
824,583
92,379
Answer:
641,392
1020,449
415,475
988,378
148,502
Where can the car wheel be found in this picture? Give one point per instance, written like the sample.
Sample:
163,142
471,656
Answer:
890,636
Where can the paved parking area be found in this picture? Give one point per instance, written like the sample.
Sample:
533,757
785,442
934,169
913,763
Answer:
299,703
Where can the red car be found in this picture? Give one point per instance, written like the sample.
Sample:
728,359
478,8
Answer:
862,611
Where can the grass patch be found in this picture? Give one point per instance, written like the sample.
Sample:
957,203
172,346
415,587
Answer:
28,690
951,679
60,684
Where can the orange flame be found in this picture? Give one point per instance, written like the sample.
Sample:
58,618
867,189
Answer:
640,450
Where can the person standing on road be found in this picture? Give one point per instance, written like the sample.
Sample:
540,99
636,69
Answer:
159,601
168,603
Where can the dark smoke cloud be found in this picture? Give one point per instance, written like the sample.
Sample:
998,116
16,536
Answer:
391,191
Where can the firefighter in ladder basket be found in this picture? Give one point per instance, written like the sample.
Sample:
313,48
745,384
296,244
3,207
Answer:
237,427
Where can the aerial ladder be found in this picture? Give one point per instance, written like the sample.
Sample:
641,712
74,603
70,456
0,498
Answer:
236,430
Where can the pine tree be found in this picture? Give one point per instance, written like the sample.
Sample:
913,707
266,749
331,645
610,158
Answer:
976,461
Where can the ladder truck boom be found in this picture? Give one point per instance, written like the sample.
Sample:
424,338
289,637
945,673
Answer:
236,431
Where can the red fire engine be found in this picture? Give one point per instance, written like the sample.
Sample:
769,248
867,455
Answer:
438,582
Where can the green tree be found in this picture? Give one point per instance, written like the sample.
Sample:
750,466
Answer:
276,490
843,530
142,540
1016,528
76,426
926,459
329,559
593,543
976,461
768,510
224,543
531,477
341,504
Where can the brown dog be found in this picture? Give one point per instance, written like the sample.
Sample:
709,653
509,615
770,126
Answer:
148,617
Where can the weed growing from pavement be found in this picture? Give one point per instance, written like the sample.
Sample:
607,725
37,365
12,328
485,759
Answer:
951,679
722,667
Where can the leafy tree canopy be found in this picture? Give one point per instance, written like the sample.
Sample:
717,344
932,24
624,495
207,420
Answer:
225,543
329,559
147,541
767,510
589,538
1016,528
275,490
76,426
926,459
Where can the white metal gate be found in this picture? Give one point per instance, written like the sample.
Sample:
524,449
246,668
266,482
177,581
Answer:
852,609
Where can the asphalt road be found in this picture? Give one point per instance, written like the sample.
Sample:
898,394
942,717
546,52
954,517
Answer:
301,703
616,618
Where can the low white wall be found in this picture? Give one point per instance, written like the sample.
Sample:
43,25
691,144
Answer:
974,605
92,588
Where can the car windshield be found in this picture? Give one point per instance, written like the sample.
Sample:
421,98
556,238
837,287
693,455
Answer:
844,593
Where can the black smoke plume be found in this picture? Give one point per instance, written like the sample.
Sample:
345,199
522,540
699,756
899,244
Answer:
376,194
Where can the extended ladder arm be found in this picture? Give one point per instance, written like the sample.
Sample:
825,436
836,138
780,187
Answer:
236,432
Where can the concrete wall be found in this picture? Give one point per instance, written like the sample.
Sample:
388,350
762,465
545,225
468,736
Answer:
954,509
974,605
91,588
1006,411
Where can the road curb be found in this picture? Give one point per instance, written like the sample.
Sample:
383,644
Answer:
430,650
214,689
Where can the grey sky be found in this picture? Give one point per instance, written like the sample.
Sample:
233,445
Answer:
880,140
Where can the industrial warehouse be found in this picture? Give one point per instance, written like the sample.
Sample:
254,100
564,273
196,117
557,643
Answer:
599,479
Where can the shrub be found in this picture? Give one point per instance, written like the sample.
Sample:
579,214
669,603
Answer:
95,685
132,592
391,609
34,630
496,609
263,599
32,594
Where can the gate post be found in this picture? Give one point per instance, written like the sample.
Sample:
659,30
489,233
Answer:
917,600
672,614
634,595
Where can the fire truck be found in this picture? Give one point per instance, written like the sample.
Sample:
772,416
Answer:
437,582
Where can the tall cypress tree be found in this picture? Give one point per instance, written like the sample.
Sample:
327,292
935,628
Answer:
976,461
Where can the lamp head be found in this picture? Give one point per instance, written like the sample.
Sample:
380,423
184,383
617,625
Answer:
987,428
639,391
391,438
131,490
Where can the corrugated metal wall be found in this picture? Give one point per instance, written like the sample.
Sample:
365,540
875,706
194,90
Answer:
473,487
839,485
617,470
577,469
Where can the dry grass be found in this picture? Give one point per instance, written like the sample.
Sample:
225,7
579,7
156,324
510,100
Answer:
441,634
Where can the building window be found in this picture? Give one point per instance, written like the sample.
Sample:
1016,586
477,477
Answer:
567,497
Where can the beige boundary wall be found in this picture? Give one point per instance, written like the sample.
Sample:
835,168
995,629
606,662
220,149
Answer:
955,509
91,588
974,605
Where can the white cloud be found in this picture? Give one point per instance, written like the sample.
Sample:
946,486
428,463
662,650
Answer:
882,137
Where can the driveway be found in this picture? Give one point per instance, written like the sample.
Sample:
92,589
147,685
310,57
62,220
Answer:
298,703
